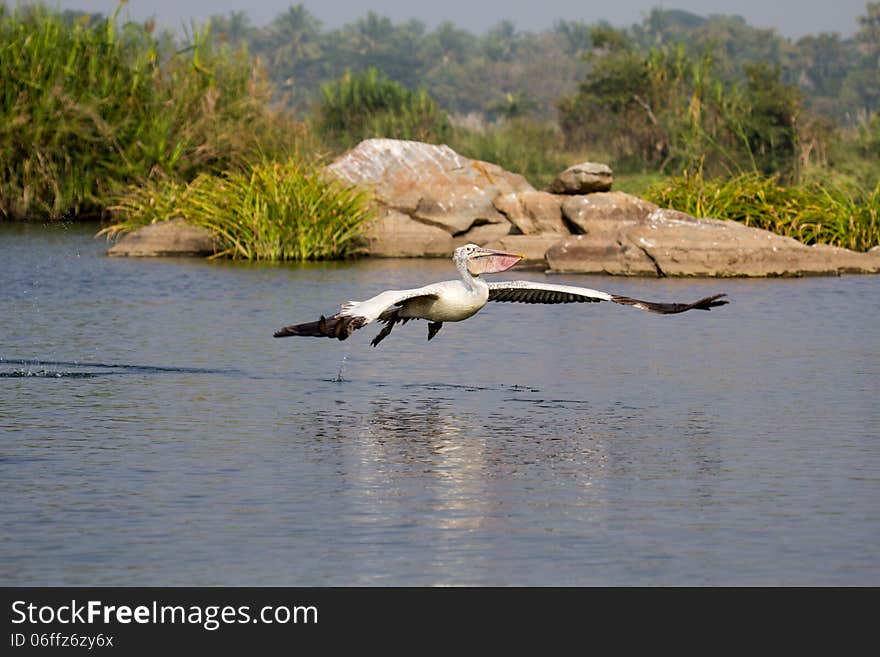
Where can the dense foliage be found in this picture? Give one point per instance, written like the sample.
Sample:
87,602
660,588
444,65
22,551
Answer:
368,104
466,73
666,110
87,107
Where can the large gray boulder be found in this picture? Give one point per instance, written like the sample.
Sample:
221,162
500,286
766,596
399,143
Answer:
168,238
431,185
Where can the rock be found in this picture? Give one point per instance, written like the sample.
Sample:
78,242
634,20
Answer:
533,247
600,254
396,235
430,200
533,212
582,210
676,244
583,178
482,234
167,238
432,185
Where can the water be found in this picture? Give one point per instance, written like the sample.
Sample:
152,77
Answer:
152,432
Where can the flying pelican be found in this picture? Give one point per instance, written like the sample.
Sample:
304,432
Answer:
453,301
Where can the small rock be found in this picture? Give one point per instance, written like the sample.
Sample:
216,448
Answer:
176,237
582,210
583,178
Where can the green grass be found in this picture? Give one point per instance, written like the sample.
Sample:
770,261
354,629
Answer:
273,211
810,212
89,106
363,105
528,147
637,183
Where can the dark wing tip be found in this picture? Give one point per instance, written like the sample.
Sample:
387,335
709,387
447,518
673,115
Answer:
712,302
338,326
706,303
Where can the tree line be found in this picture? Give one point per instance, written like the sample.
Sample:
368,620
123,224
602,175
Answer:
505,70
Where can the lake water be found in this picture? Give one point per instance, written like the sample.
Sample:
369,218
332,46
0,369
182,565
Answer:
152,432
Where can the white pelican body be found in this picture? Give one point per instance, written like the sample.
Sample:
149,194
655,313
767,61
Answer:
454,301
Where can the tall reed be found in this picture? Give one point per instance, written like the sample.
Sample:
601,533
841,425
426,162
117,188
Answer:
88,106
273,211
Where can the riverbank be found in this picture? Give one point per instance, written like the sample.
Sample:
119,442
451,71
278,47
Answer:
114,121
428,200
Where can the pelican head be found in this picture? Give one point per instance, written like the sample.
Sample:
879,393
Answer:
479,260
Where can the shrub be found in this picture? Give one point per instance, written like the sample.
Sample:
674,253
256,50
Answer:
364,105
273,211
87,107
525,146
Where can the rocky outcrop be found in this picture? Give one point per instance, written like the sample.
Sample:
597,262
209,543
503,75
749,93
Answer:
671,243
430,199
583,178
432,186
168,238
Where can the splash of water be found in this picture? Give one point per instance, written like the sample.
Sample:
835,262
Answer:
339,378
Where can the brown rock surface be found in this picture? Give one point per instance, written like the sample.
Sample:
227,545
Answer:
612,206
396,235
533,247
433,185
676,244
533,213
167,238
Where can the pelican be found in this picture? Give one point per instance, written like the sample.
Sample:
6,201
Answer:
454,301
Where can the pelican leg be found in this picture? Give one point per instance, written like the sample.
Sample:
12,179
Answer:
433,328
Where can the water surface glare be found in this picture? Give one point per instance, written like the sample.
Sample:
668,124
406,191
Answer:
152,432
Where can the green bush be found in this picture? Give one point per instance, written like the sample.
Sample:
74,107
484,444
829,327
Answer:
667,110
87,107
525,146
365,105
273,211
810,212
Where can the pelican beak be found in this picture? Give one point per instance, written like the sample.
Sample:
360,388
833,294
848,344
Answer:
493,261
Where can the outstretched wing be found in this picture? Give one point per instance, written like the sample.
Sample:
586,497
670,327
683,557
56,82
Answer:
532,292
356,314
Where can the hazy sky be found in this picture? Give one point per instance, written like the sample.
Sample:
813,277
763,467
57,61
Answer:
791,18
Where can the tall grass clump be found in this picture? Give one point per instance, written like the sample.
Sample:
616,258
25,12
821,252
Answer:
88,106
272,211
364,105
811,212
